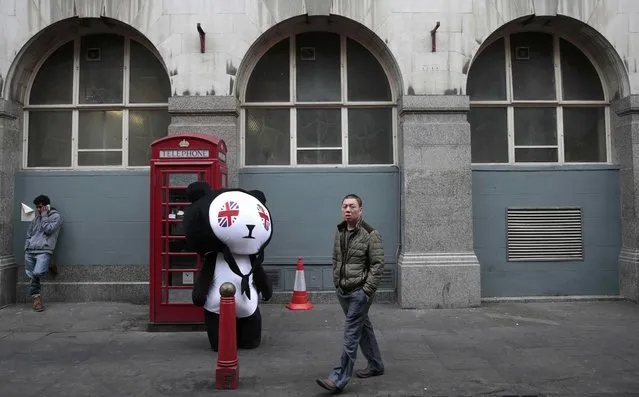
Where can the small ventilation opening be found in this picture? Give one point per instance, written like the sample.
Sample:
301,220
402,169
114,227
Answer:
544,234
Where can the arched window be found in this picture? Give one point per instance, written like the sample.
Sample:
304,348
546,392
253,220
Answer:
318,98
96,101
536,98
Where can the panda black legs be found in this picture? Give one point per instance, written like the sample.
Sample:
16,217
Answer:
248,330
212,323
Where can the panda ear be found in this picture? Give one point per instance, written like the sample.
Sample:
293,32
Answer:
258,194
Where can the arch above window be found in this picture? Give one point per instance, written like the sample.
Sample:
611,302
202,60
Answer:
318,98
537,98
97,100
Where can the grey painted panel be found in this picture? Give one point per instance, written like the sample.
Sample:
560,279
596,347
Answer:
305,206
595,190
106,214
550,283
596,231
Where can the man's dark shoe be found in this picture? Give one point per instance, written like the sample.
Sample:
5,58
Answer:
328,385
37,303
367,373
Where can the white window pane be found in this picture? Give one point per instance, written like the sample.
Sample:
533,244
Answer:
268,137
536,155
318,66
148,81
319,128
584,135
49,139
270,79
145,126
101,129
101,69
579,78
488,135
487,77
535,126
370,136
99,158
366,78
54,82
319,156
532,66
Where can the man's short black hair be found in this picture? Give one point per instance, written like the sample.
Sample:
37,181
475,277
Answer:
353,196
41,200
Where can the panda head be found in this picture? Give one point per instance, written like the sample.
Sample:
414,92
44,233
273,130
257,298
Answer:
241,221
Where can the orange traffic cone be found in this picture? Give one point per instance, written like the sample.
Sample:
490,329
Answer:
300,298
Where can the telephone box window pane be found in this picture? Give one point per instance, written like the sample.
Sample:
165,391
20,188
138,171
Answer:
319,156
370,136
148,81
533,66
177,244
100,129
536,155
579,78
584,135
366,78
182,180
101,69
487,79
99,158
269,81
488,135
319,128
49,139
175,196
268,137
535,126
145,126
54,82
179,295
318,67
174,212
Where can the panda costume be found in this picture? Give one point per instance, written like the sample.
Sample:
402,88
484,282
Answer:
230,228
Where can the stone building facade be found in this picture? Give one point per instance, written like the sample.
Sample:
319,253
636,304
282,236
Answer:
492,141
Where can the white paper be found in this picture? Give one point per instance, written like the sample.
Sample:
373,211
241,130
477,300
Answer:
27,213
187,278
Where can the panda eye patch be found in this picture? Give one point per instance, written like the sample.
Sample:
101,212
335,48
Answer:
266,221
228,214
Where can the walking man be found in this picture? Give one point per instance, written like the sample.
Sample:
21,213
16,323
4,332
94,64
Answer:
358,261
42,237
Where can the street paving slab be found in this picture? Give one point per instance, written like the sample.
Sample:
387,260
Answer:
499,349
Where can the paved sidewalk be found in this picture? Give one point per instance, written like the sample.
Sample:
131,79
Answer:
536,349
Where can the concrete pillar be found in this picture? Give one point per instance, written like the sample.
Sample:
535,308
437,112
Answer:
625,145
437,266
10,153
210,115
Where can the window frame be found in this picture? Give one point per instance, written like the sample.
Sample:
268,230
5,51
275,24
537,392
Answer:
344,105
75,107
558,104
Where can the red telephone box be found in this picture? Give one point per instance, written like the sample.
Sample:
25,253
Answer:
177,161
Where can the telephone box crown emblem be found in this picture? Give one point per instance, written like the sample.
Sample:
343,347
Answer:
184,143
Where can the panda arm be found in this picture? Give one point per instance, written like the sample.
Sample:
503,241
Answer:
260,278
204,279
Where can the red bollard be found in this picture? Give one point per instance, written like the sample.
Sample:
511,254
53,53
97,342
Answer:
227,373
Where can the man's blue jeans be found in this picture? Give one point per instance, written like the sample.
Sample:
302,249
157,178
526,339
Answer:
358,330
36,266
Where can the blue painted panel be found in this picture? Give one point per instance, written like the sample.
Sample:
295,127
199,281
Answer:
106,214
305,206
595,190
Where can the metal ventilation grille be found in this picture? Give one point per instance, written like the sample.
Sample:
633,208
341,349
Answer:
544,234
